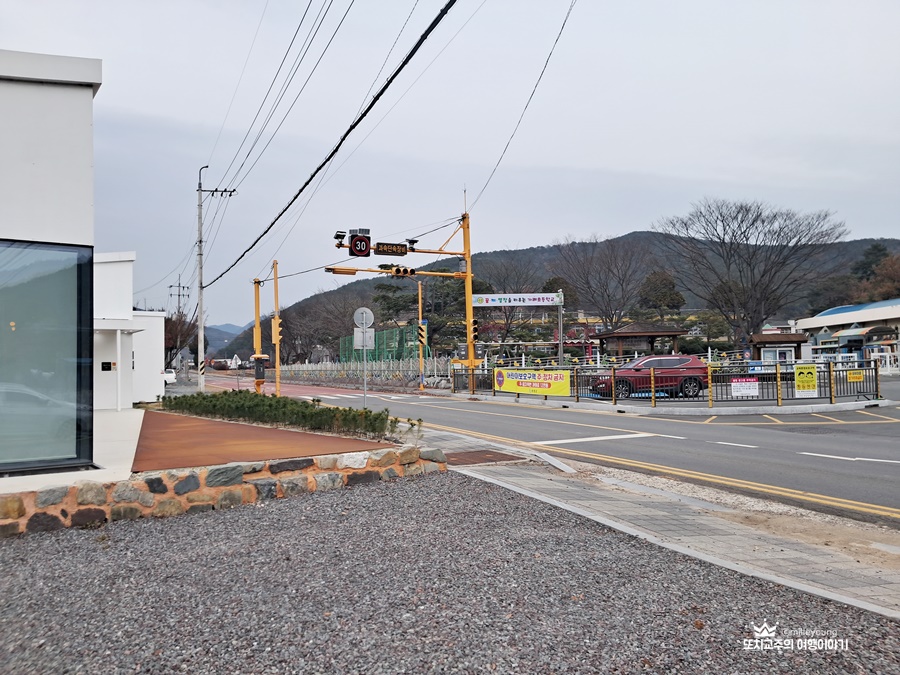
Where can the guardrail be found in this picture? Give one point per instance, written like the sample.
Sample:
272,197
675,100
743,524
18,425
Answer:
747,382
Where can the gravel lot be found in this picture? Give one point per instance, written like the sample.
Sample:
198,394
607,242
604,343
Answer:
436,574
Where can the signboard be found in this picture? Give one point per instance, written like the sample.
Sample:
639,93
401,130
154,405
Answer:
855,376
805,381
537,382
363,338
382,248
360,245
744,386
522,299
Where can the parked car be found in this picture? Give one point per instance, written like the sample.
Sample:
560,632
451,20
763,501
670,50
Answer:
674,375
169,376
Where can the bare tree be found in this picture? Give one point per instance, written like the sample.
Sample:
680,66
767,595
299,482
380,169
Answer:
747,260
507,274
179,330
606,274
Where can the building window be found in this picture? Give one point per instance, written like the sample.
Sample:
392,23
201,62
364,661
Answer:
46,350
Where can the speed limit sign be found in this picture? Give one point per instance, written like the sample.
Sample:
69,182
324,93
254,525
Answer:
360,245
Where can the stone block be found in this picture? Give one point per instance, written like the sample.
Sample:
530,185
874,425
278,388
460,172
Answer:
266,488
11,507
88,517
168,507
352,460
156,485
200,508
189,483
431,467
127,492
50,496
384,457
90,492
200,498
255,467
291,487
432,455
408,454
390,473
124,512
228,499
225,475
329,481
326,462
413,470
9,530
44,522
282,465
363,477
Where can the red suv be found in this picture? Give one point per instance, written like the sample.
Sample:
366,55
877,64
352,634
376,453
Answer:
674,374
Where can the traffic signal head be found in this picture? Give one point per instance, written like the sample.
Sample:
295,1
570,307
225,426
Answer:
276,330
402,271
474,330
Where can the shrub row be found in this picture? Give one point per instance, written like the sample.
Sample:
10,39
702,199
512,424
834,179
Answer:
248,406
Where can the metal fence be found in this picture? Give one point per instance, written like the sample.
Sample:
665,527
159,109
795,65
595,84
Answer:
721,383
393,372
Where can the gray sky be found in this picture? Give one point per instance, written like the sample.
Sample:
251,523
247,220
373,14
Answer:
645,108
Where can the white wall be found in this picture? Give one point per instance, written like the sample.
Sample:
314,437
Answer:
149,356
112,387
113,285
46,176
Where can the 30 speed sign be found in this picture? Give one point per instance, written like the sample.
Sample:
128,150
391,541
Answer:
360,245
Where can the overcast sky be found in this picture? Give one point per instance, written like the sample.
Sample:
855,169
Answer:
645,108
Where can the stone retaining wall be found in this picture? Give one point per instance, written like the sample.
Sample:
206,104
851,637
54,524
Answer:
172,493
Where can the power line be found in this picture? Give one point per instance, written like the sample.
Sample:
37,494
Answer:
527,103
434,24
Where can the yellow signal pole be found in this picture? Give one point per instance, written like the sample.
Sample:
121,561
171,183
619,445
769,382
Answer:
276,333
258,356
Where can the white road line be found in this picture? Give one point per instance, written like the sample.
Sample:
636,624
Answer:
344,396
677,438
331,398
566,441
737,445
851,459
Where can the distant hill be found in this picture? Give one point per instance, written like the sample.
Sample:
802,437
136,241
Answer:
230,328
539,258
218,340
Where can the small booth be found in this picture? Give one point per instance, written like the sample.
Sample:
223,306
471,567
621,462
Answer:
639,336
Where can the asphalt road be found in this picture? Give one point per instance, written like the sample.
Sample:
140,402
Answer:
844,462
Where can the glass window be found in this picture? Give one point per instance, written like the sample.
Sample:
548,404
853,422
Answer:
45,355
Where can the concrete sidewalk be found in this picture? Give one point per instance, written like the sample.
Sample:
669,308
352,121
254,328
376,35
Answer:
688,526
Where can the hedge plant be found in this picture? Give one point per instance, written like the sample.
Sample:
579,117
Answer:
248,406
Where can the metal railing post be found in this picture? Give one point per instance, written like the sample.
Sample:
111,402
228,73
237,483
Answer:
709,380
830,379
653,387
778,382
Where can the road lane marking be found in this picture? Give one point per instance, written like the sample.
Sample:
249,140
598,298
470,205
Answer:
709,420
617,437
851,459
769,417
825,500
883,417
737,445
826,417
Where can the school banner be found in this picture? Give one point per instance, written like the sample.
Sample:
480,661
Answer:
539,382
518,299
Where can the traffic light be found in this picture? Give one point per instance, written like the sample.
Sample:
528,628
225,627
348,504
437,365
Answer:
474,330
423,333
276,330
402,271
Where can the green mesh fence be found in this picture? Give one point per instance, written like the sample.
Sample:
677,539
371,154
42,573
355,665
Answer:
393,344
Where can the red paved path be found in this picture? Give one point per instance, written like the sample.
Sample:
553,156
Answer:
171,441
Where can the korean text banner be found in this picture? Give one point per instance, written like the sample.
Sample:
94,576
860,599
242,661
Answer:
538,382
509,299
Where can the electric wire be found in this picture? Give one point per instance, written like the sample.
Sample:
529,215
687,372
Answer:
238,85
435,22
527,103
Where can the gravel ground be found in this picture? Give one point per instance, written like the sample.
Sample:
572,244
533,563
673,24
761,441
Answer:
436,574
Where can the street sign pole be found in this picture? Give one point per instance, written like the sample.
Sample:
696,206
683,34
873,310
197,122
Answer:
363,318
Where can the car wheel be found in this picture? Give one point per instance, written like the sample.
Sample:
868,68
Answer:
691,388
623,388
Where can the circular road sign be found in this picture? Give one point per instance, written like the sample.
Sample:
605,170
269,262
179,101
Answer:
360,245
363,317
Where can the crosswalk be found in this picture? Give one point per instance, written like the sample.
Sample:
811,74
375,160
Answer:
334,397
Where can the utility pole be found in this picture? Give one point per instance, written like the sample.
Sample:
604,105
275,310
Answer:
276,332
201,319
179,288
